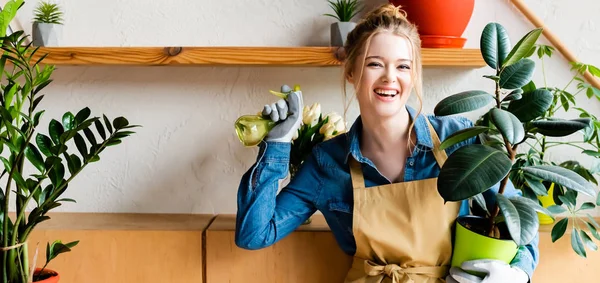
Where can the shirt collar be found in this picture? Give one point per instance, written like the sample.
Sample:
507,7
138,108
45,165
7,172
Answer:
421,130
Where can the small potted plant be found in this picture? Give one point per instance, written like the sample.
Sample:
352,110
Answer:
38,168
441,23
517,115
344,11
47,22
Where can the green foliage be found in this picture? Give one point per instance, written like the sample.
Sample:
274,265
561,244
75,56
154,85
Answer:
520,113
49,13
344,10
53,158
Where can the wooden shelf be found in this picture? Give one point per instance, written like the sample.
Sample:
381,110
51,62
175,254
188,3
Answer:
258,56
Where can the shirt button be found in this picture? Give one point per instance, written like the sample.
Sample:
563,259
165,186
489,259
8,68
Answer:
411,163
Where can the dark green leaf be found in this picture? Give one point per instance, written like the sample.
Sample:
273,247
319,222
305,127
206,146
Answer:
81,146
556,209
100,129
113,142
480,200
68,121
560,127
592,153
462,102
577,244
44,143
559,229
107,124
531,105
522,47
561,176
516,94
510,213
592,220
57,173
120,122
82,115
587,205
462,135
593,230
41,86
536,185
90,136
471,170
517,75
508,124
37,117
34,156
528,218
495,44
55,129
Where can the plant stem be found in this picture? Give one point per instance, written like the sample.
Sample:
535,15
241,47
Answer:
573,145
544,72
543,150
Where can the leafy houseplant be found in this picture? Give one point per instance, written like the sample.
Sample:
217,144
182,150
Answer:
549,193
46,24
344,11
50,157
517,115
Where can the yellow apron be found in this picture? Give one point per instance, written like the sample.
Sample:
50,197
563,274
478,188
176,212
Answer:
402,230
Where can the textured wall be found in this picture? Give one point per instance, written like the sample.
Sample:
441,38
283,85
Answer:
186,158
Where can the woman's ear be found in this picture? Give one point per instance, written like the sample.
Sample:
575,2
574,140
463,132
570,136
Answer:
350,78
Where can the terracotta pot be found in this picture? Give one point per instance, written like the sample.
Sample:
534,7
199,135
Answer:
441,23
52,279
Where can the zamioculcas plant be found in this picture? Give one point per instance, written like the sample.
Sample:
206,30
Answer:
515,116
38,168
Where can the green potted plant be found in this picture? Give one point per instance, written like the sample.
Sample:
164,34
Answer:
344,11
550,194
47,22
441,23
37,167
515,117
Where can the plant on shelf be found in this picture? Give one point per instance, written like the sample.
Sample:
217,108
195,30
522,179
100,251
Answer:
343,12
558,198
47,20
38,168
516,116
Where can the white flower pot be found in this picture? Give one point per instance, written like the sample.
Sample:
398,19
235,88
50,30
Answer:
43,34
339,32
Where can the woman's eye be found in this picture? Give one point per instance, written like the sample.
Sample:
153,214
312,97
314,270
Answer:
374,64
406,67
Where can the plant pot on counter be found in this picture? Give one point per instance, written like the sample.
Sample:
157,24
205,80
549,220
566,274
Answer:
339,32
441,23
48,276
471,245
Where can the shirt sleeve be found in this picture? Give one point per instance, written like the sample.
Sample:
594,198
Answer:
264,216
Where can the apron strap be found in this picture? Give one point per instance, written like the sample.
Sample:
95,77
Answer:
440,154
402,275
358,180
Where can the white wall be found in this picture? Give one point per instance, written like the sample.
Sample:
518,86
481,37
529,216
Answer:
186,158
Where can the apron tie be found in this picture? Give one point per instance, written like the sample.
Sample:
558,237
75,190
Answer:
403,275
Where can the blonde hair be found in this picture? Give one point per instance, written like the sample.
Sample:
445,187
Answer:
386,18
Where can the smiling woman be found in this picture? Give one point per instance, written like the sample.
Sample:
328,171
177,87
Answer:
376,185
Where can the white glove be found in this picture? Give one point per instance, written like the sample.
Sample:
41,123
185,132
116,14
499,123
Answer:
290,112
495,271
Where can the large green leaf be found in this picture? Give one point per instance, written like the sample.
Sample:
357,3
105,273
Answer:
532,105
55,129
44,143
508,124
35,157
511,215
462,102
528,219
522,47
559,229
562,176
517,75
577,243
471,170
462,135
560,127
495,44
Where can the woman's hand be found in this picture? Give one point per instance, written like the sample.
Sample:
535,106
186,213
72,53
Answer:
288,112
494,271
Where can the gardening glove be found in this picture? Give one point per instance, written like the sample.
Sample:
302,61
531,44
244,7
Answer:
287,113
493,271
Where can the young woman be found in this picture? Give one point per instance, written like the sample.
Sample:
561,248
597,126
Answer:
376,184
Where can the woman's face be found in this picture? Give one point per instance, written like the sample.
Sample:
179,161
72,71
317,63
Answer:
386,81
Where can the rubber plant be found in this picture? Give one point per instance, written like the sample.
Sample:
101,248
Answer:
514,117
563,199
38,168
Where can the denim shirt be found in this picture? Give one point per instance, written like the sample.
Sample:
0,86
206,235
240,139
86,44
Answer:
323,183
